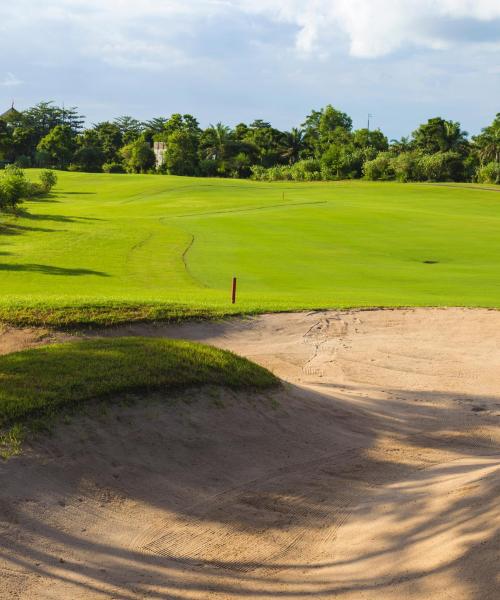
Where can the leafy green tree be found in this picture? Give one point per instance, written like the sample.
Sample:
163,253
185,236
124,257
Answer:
181,133
88,159
341,161
319,128
265,142
181,155
5,141
43,117
370,138
109,139
138,157
59,144
438,135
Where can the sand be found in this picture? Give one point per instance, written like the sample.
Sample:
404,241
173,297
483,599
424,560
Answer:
373,474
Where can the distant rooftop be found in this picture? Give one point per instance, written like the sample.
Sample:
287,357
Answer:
10,114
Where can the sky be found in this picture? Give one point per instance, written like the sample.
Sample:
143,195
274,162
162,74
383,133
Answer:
403,61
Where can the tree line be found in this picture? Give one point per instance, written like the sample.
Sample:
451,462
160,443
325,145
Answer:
324,147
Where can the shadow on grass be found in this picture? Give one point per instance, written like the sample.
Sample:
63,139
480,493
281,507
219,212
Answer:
51,270
16,229
63,193
55,218
207,475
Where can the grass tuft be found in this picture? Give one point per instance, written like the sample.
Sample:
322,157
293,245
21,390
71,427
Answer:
11,441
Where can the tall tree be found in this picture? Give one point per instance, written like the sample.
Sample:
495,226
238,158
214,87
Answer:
319,128
293,145
110,140
138,156
58,145
130,128
439,135
487,143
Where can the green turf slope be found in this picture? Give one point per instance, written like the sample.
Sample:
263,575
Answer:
106,248
41,381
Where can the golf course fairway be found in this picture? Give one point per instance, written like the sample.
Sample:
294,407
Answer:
109,248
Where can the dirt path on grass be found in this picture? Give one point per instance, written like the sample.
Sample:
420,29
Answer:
374,473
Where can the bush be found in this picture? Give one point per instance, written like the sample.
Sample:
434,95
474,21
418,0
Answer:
34,189
490,173
341,161
23,162
208,168
442,166
113,167
48,180
14,187
259,173
87,159
306,170
407,167
380,168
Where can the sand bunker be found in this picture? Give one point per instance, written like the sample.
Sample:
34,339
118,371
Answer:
373,474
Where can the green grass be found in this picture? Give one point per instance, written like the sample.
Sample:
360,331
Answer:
105,249
40,382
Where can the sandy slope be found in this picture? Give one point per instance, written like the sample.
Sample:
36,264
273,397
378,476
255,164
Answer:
374,474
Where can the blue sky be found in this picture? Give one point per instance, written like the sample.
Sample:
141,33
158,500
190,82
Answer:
237,60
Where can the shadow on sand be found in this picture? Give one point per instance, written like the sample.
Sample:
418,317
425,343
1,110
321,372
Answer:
303,466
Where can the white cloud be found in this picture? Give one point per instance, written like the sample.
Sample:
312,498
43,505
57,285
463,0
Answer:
10,80
131,33
374,28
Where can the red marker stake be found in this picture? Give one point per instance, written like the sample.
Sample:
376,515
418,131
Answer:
233,296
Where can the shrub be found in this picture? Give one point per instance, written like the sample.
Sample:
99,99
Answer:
34,189
14,187
113,167
23,162
380,168
406,167
442,166
48,180
259,173
306,170
208,168
490,173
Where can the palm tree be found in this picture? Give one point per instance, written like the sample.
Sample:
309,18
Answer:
455,138
293,144
399,146
488,143
217,139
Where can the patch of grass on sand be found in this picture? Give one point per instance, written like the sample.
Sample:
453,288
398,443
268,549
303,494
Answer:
43,381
